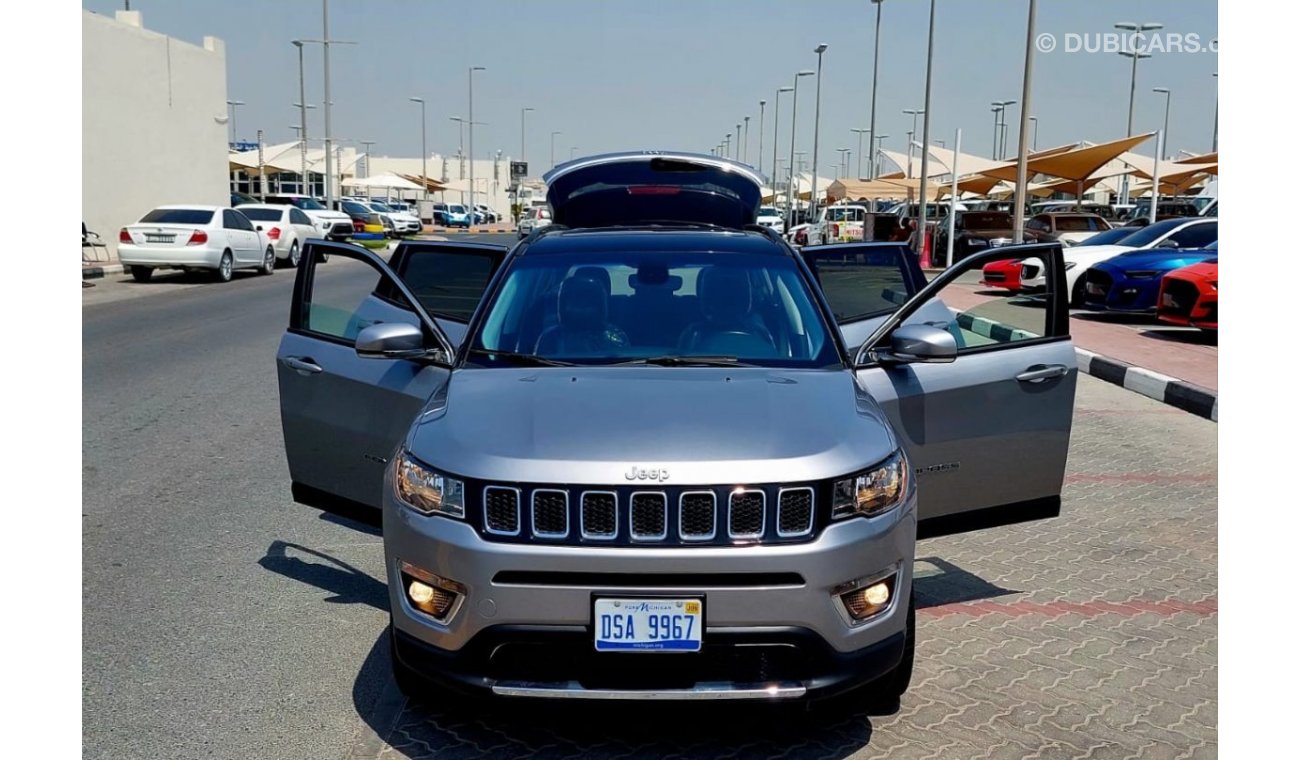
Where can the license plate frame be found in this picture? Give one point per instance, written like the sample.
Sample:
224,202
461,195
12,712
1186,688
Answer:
690,645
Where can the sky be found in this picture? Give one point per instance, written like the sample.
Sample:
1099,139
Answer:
681,74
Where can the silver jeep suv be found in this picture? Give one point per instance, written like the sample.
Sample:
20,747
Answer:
653,452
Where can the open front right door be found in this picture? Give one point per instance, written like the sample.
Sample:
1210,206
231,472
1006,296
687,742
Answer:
988,433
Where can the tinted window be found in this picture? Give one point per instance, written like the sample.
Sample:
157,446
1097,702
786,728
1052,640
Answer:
985,220
377,206
229,221
447,284
1073,224
1152,232
1196,236
1109,237
355,208
609,307
264,214
861,282
177,216
297,217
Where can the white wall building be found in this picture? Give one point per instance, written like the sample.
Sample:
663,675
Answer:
153,122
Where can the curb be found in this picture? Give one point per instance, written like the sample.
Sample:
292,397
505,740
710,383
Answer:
92,273
1167,390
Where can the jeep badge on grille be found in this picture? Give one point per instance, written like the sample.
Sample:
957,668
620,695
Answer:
647,473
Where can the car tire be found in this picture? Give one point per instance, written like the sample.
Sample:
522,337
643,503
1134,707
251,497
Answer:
225,270
142,274
268,262
1076,294
295,256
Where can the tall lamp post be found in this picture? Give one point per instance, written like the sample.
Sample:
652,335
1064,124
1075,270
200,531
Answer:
1022,157
424,151
1034,119
817,121
762,106
794,120
737,142
329,101
460,148
234,131
875,66
472,69
745,157
860,133
925,136
776,132
1214,141
1168,96
1136,54
999,133
553,134
523,140
302,116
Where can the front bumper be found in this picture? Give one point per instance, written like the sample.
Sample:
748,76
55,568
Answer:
772,619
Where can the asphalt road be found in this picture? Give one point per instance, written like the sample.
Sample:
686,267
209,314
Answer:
223,620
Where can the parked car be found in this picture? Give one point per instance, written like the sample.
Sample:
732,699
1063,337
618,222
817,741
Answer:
1166,209
976,231
1183,232
486,214
1190,296
771,218
1010,274
534,218
239,199
1068,227
455,213
839,223
1130,282
403,222
334,225
626,441
1103,210
194,237
286,227
364,218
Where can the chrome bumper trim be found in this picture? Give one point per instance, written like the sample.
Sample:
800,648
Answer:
702,691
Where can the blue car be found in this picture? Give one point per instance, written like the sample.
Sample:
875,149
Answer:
1130,282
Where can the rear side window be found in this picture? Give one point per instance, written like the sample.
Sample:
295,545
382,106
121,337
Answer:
1196,236
297,217
860,282
177,216
1073,224
447,285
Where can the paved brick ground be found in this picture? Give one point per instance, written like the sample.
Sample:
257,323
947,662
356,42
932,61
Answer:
1090,636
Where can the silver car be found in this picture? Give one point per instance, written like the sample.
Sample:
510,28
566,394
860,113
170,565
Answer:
653,452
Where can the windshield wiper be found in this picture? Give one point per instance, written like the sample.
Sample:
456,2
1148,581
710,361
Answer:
528,360
687,361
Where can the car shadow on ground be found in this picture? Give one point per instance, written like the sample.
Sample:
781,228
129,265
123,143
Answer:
442,724
1185,335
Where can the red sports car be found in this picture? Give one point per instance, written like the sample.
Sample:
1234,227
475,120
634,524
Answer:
1004,274
1190,296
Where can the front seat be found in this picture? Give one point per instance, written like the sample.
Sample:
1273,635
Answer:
583,329
730,327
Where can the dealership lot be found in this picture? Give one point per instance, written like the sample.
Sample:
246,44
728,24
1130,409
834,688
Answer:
1094,634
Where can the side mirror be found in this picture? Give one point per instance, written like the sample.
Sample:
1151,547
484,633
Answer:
918,343
393,340
1168,244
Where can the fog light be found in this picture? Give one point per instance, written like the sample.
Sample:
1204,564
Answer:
868,601
431,594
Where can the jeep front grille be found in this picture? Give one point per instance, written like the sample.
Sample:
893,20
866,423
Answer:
501,510
628,516
649,516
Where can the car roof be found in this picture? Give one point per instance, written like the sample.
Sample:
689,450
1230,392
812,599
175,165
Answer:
646,238
270,206
193,206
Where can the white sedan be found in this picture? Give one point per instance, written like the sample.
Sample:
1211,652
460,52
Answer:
286,227
194,237
1183,232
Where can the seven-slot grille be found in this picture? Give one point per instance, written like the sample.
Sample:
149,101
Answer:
667,516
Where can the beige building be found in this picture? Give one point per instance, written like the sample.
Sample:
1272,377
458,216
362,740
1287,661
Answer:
153,122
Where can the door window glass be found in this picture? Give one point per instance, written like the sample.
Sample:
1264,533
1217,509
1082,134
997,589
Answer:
981,318
860,282
347,301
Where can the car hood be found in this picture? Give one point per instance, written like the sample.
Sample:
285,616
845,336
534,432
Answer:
591,425
320,213
1090,254
1157,259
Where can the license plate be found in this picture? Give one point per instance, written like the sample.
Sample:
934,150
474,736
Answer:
648,625
151,238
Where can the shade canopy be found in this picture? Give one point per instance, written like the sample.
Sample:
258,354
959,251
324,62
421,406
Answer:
276,159
1074,164
842,189
388,180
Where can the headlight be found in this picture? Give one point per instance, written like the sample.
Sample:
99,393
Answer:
426,491
872,492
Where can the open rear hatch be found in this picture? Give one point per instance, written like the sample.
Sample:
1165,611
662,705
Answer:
653,187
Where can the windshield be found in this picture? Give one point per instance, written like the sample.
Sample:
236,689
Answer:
986,220
1149,234
1073,224
262,214
609,308
309,204
354,208
377,206
768,211
177,216
1108,237
456,209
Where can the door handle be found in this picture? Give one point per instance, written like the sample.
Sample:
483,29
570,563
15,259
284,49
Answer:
303,366
1040,372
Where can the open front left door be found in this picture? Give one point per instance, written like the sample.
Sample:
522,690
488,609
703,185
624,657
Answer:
343,415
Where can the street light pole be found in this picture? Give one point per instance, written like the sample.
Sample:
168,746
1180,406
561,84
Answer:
860,132
1168,96
925,135
1034,119
523,141
1136,54
776,133
472,69
553,134
1022,157
762,107
460,148
737,142
1214,141
875,66
910,135
365,145
424,151
302,117
234,131
329,131
794,121
817,121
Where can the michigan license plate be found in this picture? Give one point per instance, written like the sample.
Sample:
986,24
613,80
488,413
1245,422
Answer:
648,625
